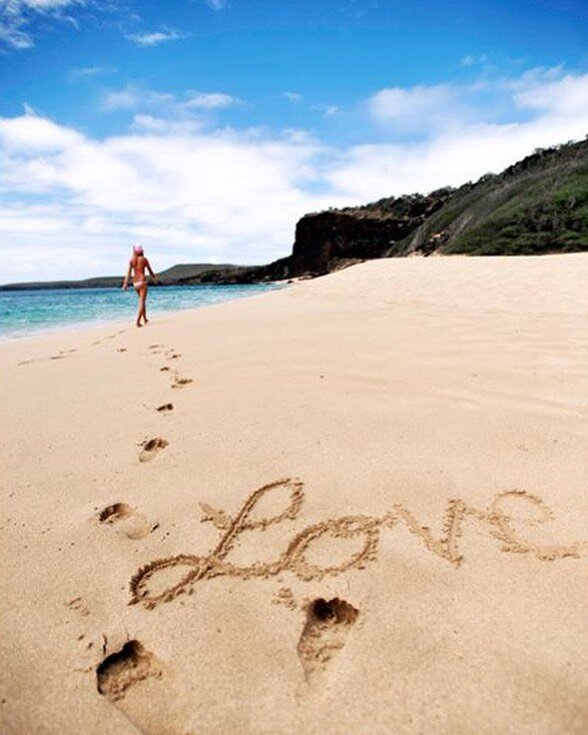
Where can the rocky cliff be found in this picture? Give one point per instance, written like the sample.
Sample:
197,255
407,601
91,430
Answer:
332,239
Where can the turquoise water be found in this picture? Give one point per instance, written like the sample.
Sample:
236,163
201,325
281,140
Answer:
27,313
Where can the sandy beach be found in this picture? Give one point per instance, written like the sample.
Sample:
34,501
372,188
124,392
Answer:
354,505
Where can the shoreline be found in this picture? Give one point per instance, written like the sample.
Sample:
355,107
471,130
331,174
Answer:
76,327
65,330
219,524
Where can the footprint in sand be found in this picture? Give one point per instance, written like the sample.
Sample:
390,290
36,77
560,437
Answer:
121,670
121,349
164,369
328,624
79,605
127,520
180,382
165,407
151,447
145,690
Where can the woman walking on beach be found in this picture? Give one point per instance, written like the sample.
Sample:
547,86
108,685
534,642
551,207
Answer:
138,264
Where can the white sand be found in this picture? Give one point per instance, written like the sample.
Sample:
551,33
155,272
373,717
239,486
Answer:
386,392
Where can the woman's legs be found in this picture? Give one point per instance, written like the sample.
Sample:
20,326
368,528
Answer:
145,320
142,310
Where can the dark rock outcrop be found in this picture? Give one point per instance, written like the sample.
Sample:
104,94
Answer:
327,240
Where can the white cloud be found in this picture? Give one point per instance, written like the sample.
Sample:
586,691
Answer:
294,97
565,95
92,71
159,125
415,109
159,111
326,110
132,98
16,16
210,100
40,5
122,99
184,191
190,192
31,133
433,110
11,35
464,149
17,22
470,60
154,38
217,4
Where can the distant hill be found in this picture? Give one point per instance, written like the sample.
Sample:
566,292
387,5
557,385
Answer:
183,272
176,275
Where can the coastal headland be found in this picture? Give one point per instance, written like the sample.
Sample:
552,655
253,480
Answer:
354,505
537,206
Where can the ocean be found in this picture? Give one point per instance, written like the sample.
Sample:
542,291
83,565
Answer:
28,313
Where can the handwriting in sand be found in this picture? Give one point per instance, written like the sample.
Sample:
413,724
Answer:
499,524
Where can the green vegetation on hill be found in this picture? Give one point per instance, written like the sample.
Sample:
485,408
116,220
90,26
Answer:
537,206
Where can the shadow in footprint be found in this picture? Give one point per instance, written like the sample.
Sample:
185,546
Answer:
328,623
151,448
123,669
128,521
165,407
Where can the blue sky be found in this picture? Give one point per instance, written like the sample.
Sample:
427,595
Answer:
205,129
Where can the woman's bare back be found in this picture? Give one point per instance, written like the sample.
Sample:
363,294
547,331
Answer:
138,264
